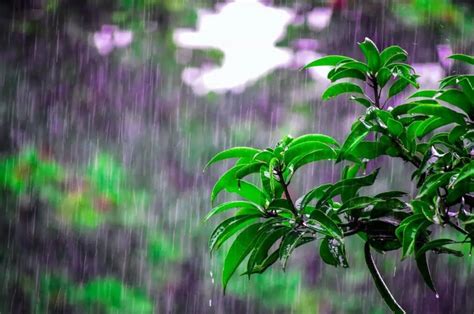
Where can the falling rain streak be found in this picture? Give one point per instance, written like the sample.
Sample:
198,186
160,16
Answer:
111,109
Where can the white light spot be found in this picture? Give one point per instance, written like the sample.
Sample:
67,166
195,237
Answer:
246,31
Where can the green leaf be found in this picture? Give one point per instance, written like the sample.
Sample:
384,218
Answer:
421,207
405,222
468,88
240,248
280,204
399,57
235,152
429,125
228,228
227,179
341,88
457,133
350,172
379,283
457,99
317,155
434,245
357,203
346,73
404,71
411,232
431,185
264,156
424,94
394,127
267,187
465,173
404,108
315,193
439,111
388,207
383,76
356,65
327,223
229,205
455,80
369,150
314,138
331,60
263,266
363,101
358,133
411,135
248,169
268,236
393,54
347,188
303,149
332,252
398,87
287,245
371,53
274,163
463,58
422,264
248,191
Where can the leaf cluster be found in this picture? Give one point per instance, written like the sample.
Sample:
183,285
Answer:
432,130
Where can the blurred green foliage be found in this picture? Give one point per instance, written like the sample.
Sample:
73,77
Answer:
101,295
421,12
101,195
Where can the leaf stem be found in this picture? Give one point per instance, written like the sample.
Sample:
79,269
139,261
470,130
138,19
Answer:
287,193
375,87
452,224
379,283
355,225
405,153
445,216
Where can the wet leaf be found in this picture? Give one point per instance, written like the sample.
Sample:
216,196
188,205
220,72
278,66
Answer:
341,88
230,205
331,60
379,283
235,152
333,253
240,248
287,245
371,53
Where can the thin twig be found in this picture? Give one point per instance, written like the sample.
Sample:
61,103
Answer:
287,193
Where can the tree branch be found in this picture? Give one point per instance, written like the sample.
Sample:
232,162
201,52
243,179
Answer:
287,193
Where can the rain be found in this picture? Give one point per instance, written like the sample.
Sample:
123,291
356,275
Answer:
110,111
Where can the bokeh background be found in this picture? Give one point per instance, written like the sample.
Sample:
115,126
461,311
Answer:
110,109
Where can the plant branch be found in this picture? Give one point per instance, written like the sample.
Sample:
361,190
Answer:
375,87
445,216
405,154
351,232
452,224
287,193
357,226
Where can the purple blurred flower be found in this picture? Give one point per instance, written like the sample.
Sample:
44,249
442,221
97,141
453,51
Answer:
122,38
319,18
444,51
111,37
305,44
